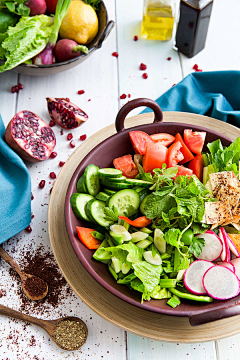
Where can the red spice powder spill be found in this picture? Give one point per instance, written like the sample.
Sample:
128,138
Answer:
83,137
115,54
142,66
61,163
28,229
53,155
41,184
72,144
35,286
145,75
123,96
69,136
52,175
169,58
52,123
135,38
80,92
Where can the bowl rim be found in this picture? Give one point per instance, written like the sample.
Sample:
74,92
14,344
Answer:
88,267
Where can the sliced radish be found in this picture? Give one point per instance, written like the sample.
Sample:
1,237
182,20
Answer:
193,276
212,248
221,283
236,264
223,237
227,264
231,244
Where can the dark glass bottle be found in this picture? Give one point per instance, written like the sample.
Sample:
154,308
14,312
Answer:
193,26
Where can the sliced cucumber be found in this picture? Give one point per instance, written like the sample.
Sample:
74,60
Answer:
102,196
137,182
81,186
78,202
110,172
143,204
126,201
91,179
106,180
109,192
95,209
118,185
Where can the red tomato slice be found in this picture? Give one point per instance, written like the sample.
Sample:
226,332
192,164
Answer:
174,154
184,150
156,155
194,140
163,138
196,165
139,140
183,171
126,165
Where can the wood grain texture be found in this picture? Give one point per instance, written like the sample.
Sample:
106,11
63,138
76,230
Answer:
124,315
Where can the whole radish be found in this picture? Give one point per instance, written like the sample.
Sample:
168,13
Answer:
51,6
37,7
66,49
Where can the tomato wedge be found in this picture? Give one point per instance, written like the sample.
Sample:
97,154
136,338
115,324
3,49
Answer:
188,156
174,154
126,164
139,140
163,138
156,155
183,171
194,140
196,165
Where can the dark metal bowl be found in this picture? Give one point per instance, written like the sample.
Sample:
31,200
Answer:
104,30
102,155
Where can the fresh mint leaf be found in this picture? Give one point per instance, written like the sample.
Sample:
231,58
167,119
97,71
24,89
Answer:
11,6
196,246
199,228
171,237
145,176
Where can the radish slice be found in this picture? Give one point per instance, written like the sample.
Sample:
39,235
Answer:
223,237
223,254
212,248
231,245
227,264
221,283
193,276
236,264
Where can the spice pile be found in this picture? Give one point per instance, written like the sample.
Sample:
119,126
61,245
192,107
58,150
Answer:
70,334
35,286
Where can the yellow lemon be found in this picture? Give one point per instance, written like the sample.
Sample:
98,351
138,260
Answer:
80,23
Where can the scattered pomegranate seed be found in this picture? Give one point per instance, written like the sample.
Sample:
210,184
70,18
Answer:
80,92
129,95
145,75
123,96
195,67
50,190
89,99
83,137
173,85
20,86
69,136
197,70
52,175
61,163
32,197
115,54
169,58
142,66
32,216
61,132
135,38
53,155
41,184
28,229
72,144
52,123
13,89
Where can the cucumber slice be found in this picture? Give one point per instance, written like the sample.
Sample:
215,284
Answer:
137,182
143,204
110,172
91,179
106,180
95,210
81,187
109,192
102,196
126,201
78,202
118,185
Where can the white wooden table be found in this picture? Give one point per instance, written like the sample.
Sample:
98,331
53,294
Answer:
104,78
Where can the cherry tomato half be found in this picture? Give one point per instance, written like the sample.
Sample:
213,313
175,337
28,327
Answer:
156,155
174,154
184,150
163,138
139,140
126,165
194,140
196,165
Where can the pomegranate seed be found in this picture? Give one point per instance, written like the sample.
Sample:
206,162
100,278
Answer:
89,99
52,175
169,58
50,190
61,163
197,70
13,89
173,85
41,184
72,144
129,95
83,137
142,66
69,136
80,92
53,155
195,67
32,216
16,89
20,86
115,54
32,197
28,229
145,75
135,38
123,96
52,123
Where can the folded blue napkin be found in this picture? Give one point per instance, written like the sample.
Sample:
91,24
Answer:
15,191
215,94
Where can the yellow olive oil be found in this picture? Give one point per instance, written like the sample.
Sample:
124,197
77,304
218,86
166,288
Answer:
157,23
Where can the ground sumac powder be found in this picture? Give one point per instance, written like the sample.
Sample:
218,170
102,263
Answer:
35,286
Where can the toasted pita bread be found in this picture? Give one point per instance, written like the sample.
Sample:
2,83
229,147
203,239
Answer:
217,212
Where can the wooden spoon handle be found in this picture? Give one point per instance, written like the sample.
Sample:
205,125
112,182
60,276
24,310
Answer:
10,261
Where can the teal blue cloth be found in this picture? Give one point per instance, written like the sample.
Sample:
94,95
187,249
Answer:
215,94
15,191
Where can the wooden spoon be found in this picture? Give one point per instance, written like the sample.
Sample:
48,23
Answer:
24,277
48,325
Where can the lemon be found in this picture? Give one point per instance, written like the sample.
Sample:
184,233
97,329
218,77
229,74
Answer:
80,23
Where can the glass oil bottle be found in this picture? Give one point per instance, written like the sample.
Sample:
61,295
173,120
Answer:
158,19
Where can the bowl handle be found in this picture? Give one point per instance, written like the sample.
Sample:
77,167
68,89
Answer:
158,115
214,315
106,32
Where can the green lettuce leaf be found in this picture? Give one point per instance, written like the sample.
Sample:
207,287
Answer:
149,274
160,293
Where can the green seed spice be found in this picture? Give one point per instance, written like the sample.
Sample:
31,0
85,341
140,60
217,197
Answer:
70,334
